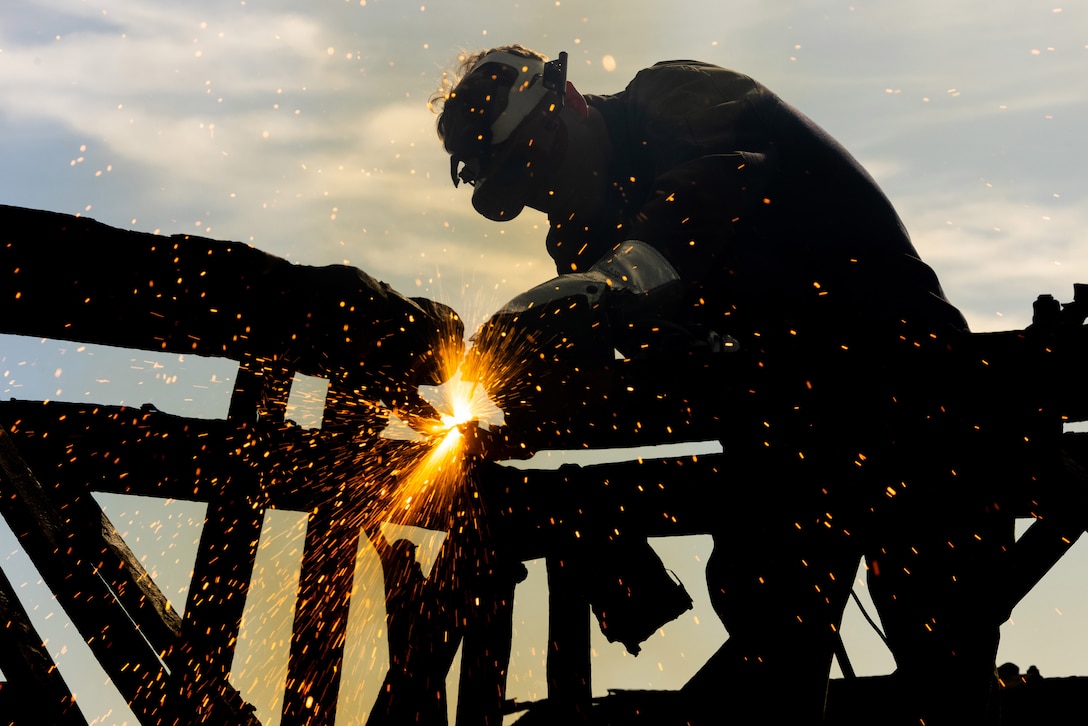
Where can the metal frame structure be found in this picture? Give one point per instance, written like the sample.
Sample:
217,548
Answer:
172,669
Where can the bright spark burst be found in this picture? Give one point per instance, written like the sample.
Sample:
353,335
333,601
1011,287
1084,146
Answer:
429,485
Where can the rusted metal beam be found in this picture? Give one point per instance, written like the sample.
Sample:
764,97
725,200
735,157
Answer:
110,557
72,278
47,534
145,452
119,449
78,564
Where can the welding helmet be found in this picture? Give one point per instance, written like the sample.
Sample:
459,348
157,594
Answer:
501,128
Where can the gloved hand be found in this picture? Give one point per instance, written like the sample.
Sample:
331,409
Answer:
422,345
337,320
443,334
414,342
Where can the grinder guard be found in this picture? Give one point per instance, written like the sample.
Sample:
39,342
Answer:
580,318
548,359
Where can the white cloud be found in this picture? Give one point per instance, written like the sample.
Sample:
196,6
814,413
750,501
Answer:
994,256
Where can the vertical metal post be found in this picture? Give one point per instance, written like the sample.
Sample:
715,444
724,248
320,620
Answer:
225,554
568,667
321,617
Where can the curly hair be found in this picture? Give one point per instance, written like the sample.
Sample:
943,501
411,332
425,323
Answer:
465,63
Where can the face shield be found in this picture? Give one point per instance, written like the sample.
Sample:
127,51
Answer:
523,142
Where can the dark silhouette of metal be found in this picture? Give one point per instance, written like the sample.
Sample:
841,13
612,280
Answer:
75,279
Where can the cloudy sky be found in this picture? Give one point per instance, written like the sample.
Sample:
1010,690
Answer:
302,128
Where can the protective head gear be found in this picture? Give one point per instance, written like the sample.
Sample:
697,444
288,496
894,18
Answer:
494,143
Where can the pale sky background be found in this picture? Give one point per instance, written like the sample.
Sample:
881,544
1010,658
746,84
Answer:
302,128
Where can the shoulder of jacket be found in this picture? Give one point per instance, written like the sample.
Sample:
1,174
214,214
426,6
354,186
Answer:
680,71
690,66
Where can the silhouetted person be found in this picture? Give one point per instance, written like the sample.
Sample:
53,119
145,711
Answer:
783,241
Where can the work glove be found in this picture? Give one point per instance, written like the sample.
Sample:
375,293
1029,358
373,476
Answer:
435,342
422,344
337,319
340,322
